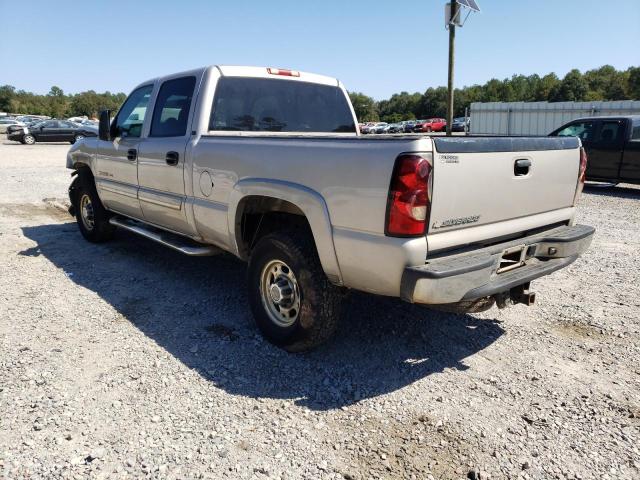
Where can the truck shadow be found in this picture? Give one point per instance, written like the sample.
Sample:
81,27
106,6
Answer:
196,309
627,191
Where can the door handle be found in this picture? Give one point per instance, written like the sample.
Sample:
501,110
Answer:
132,154
172,158
521,167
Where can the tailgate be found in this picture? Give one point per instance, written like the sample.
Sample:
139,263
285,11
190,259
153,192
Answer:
477,181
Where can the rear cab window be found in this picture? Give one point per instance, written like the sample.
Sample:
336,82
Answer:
583,130
275,105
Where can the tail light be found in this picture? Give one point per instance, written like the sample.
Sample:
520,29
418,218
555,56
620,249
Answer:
582,171
409,197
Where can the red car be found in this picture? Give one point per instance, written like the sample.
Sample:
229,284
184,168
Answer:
431,125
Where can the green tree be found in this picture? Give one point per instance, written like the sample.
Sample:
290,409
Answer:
606,83
7,94
547,88
633,83
573,88
401,106
434,103
365,107
57,103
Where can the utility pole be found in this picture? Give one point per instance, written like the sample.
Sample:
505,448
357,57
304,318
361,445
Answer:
452,38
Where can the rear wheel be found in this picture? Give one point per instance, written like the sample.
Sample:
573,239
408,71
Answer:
91,216
29,139
293,303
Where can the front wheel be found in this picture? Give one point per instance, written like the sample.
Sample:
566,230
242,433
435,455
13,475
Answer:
29,139
76,138
293,303
92,217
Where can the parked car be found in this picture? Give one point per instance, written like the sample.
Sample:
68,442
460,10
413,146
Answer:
7,122
366,127
379,127
217,163
408,126
430,125
394,128
459,124
79,119
52,131
18,127
612,145
31,118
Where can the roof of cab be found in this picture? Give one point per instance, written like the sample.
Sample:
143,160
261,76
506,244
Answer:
254,72
263,72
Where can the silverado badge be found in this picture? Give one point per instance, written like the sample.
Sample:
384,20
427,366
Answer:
456,221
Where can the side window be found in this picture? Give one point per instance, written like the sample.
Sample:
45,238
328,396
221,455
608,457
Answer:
171,112
130,118
584,130
635,135
51,124
609,132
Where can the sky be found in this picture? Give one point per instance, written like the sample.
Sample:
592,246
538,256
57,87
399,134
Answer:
375,47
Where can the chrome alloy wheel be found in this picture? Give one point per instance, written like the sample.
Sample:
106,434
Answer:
280,293
86,212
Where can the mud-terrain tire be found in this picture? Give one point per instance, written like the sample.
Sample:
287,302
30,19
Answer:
91,216
288,263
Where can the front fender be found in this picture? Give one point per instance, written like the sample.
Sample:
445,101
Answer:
309,201
83,154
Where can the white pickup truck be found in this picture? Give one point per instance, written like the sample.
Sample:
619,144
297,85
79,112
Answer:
268,164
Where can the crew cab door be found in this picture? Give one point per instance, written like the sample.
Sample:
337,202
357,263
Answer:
605,152
161,159
630,169
116,173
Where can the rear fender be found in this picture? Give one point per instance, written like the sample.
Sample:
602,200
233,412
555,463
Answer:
308,201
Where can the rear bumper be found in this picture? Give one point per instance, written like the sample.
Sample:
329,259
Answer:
469,276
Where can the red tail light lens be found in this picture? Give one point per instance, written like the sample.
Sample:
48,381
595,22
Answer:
408,203
581,175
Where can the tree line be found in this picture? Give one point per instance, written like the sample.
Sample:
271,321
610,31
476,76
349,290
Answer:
56,103
604,83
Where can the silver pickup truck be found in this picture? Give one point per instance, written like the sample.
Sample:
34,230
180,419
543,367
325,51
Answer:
268,164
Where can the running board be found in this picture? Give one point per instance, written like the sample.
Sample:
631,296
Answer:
171,240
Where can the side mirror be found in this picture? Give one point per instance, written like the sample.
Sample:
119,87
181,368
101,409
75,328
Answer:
104,127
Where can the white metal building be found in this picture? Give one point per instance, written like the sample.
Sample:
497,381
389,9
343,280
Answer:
539,118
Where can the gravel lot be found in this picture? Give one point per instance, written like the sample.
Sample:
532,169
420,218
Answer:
129,360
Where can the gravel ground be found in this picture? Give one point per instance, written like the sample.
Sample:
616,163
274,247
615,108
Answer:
128,360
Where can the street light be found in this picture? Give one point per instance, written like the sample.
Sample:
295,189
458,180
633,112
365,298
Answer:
452,18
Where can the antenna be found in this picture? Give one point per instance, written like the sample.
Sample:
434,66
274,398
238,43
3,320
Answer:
452,18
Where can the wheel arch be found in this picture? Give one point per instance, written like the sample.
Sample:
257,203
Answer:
289,198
